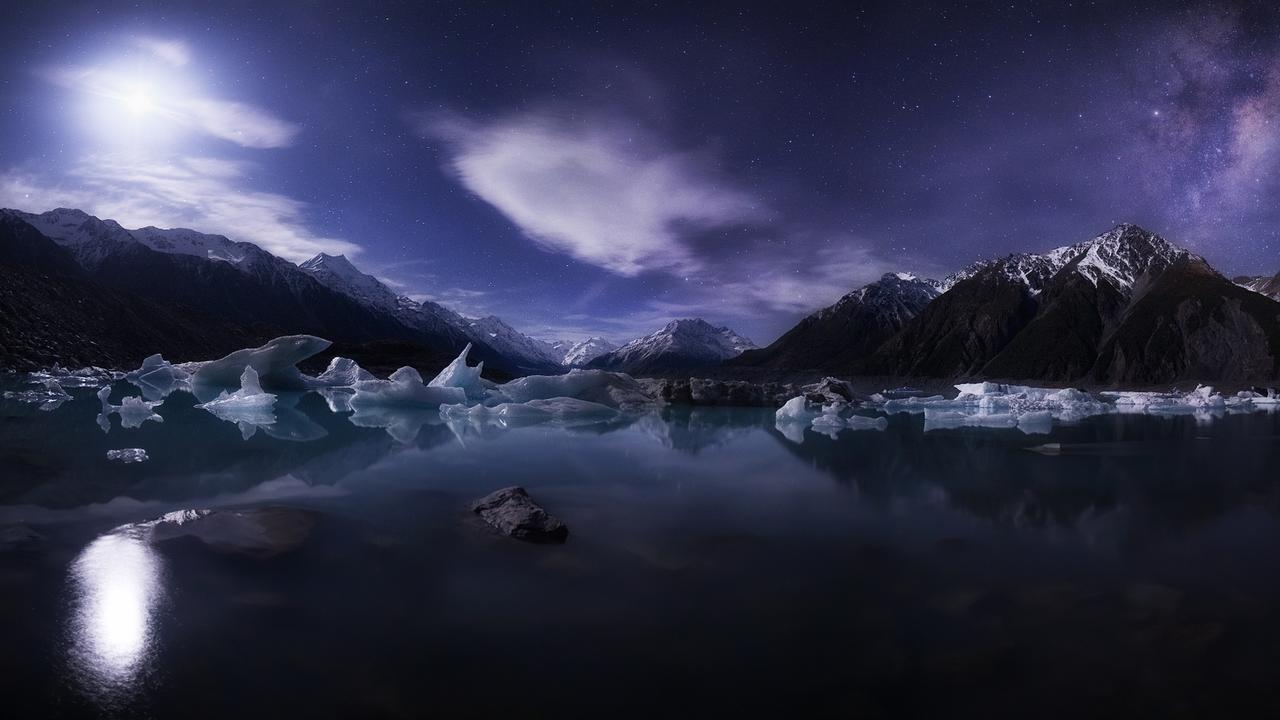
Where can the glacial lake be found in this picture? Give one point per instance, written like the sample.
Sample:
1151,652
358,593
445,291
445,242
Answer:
714,566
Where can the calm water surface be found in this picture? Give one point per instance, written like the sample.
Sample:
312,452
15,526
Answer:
714,567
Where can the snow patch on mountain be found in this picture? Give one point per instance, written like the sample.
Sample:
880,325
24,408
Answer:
1119,257
685,342
577,354
337,273
1263,285
894,298
511,342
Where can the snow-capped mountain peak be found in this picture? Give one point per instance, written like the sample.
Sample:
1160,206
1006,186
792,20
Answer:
687,342
337,273
1124,254
889,295
1119,257
577,354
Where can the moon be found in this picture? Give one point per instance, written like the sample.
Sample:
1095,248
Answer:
138,102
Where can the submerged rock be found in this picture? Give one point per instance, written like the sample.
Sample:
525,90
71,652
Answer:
261,532
516,515
128,456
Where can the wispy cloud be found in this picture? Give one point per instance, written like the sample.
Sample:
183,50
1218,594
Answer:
174,52
242,124
600,193
206,194
151,100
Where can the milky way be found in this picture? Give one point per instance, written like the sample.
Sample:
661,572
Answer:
598,169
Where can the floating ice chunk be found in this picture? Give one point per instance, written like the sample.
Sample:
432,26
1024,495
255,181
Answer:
1169,403
616,390
158,377
133,410
795,410
1256,398
458,374
342,372
48,397
128,456
404,389
247,406
275,363
92,376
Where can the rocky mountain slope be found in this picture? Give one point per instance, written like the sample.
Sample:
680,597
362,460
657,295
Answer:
844,332
52,311
1065,315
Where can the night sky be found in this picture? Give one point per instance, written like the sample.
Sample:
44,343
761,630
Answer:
600,169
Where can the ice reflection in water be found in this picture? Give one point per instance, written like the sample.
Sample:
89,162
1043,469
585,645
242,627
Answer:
117,589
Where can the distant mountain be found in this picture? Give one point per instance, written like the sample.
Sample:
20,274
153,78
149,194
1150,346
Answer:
577,354
680,345
840,335
1263,285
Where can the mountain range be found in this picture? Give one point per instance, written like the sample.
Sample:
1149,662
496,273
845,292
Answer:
192,295
1124,307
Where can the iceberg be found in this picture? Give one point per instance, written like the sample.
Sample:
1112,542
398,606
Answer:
458,374
275,363
158,377
133,410
1203,398
128,456
404,389
794,410
48,397
91,376
615,390
249,398
342,372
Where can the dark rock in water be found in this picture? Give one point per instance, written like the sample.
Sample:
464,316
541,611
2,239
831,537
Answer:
829,390
515,514
18,537
701,391
261,532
